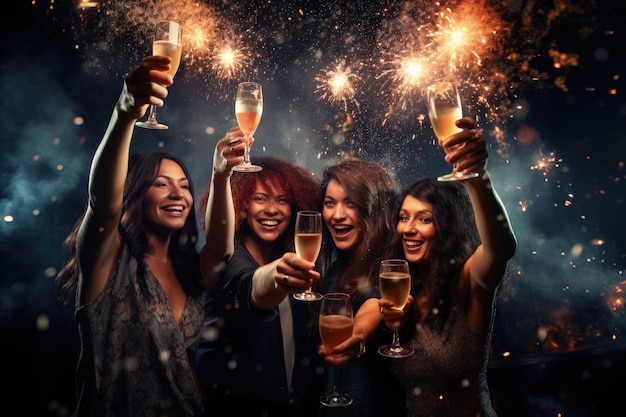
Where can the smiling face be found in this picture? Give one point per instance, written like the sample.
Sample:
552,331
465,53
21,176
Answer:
342,217
269,213
168,200
415,225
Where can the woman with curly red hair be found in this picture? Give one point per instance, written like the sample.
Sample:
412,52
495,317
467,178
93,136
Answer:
243,367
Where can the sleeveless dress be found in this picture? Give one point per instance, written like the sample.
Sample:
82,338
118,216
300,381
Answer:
447,374
134,358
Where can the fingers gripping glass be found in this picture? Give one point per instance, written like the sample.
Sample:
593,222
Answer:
335,325
167,41
444,109
248,110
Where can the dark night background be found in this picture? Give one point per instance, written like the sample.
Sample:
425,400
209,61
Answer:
547,86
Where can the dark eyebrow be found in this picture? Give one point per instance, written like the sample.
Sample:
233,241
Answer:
167,177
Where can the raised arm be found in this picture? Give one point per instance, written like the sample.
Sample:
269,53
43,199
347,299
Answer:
98,244
498,243
219,218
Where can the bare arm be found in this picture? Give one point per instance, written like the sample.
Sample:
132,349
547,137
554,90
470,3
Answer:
366,322
219,218
269,286
484,270
498,242
98,244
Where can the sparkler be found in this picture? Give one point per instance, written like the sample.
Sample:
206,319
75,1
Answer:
466,40
337,84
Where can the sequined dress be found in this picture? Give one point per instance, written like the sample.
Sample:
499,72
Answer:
447,374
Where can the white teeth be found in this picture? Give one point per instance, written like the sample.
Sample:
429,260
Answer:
341,228
269,222
412,242
173,208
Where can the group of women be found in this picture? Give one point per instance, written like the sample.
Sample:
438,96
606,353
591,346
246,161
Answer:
169,331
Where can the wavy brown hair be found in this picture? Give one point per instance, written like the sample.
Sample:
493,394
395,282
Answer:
373,191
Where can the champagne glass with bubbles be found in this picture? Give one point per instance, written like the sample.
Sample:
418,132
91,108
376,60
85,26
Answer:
308,241
335,325
167,41
444,109
248,110
394,281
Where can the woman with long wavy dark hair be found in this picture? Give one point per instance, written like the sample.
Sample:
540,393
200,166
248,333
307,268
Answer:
458,240
134,268
356,201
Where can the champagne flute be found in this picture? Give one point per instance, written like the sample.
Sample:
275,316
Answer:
394,281
168,37
248,109
308,241
335,323
444,109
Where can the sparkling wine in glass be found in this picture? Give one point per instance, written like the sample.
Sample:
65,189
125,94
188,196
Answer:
167,41
444,109
335,325
394,281
308,241
248,110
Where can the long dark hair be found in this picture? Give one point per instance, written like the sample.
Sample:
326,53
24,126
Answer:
372,189
456,238
142,169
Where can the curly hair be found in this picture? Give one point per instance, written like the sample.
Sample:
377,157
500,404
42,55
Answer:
372,189
299,185
142,169
456,238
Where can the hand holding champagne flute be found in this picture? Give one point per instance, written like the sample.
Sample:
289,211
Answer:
308,241
335,325
168,42
248,110
394,281
444,109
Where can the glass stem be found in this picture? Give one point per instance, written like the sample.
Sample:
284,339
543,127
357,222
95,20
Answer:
336,380
246,155
152,114
396,337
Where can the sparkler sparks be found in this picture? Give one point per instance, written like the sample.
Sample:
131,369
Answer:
368,102
338,85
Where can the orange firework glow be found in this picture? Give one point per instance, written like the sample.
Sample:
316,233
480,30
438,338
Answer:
337,85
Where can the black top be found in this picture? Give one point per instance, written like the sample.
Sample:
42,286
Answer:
240,360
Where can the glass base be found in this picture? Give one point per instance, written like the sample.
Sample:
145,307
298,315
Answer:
152,125
336,399
247,168
454,176
308,296
393,351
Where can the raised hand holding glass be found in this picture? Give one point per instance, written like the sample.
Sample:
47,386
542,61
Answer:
248,110
167,41
444,109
